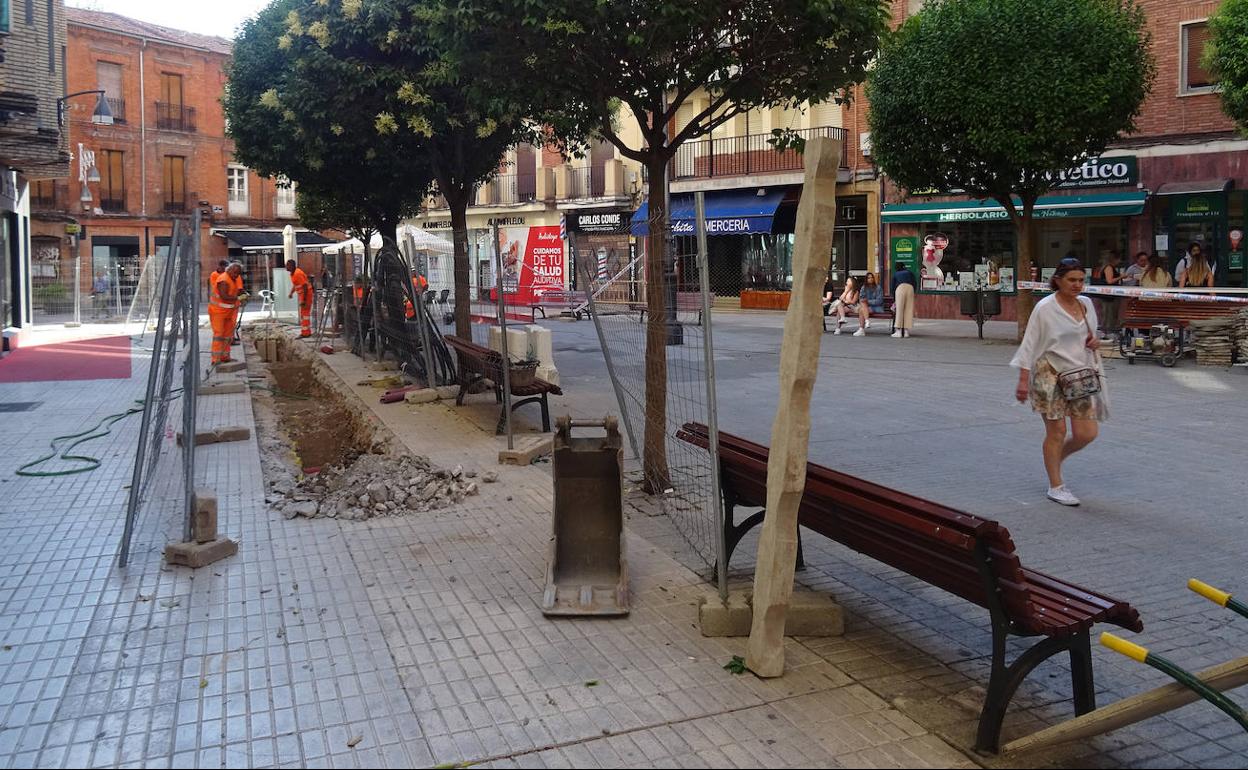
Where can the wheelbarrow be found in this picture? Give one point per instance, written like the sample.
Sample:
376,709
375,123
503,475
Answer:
587,573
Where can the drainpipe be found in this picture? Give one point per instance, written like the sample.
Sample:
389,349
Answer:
142,133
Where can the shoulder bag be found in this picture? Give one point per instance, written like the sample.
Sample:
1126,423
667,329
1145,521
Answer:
1084,381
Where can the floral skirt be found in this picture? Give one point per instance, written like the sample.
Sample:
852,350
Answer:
1047,398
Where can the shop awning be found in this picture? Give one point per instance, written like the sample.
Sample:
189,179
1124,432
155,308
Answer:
1189,188
265,240
1048,207
728,212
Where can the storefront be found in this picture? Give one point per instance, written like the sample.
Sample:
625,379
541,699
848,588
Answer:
1209,213
14,259
960,244
749,240
599,244
534,259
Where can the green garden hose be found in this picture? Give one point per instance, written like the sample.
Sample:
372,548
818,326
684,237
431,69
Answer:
101,429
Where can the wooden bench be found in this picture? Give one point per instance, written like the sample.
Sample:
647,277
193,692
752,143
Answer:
884,314
572,302
968,556
1139,314
478,363
686,302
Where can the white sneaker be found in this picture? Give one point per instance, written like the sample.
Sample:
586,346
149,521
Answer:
896,335
860,333
868,323
837,330
1062,495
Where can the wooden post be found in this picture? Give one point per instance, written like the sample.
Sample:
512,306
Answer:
790,433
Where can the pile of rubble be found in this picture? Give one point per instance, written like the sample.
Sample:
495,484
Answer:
372,485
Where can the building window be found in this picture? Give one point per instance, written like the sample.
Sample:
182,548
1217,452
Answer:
42,192
108,79
112,179
172,114
285,198
4,16
236,188
175,183
1193,77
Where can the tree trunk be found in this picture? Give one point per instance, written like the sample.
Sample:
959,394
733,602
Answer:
458,203
1026,229
657,475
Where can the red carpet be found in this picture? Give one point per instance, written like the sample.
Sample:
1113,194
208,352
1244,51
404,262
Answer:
102,358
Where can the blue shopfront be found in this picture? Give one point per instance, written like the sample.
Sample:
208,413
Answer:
749,238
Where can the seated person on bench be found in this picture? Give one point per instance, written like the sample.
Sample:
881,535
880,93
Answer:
873,295
849,303
829,295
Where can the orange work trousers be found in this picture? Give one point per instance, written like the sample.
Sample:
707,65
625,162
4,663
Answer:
305,314
222,332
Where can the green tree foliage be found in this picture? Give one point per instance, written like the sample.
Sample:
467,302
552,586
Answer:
332,211
417,68
582,59
1227,58
997,97
298,109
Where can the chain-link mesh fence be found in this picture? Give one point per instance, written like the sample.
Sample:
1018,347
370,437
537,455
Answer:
175,347
659,356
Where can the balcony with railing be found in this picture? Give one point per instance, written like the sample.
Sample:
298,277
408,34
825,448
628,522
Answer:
587,182
171,116
744,155
117,106
509,190
175,205
113,205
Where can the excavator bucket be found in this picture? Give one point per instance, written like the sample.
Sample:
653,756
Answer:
587,572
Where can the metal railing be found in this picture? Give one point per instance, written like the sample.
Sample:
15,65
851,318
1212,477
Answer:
113,205
172,116
587,182
744,155
513,188
117,106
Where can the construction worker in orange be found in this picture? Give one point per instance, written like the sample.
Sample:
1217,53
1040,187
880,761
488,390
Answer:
215,274
419,284
299,283
222,311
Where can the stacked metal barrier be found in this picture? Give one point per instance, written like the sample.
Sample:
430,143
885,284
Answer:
175,346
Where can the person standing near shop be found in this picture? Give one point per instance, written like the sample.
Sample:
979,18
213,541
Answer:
1107,274
903,300
1155,276
1131,276
1060,341
1196,270
299,283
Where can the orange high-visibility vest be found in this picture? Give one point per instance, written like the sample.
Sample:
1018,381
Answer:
215,300
300,281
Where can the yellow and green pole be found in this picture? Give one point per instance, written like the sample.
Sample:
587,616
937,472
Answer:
1218,597
1136,652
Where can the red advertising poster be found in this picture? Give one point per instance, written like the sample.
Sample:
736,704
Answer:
532,262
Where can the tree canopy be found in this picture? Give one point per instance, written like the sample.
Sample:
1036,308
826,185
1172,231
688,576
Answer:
998,97
296,109
1227,58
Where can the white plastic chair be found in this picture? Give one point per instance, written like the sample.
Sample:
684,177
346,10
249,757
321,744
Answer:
266,301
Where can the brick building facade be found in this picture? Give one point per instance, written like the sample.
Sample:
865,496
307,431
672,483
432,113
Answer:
165,153
1183,178
32,83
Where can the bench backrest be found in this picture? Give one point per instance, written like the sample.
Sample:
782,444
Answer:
475,358
935,543
1140,308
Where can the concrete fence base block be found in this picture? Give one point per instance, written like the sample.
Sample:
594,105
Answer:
422,396
203,516
527,450
219,435
195,555
809,614
222,388
232,366
448,392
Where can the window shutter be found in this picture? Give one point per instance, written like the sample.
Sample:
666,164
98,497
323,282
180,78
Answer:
1197,38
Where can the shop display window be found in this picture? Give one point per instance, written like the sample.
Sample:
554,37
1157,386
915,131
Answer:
960,256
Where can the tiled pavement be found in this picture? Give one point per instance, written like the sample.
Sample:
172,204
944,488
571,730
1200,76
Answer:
408,641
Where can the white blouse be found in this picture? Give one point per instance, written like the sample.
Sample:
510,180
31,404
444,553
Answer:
1055,335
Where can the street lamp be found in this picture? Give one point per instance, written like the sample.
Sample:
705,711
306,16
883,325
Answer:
102,116
87,172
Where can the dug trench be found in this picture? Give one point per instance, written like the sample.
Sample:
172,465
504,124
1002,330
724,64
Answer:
323,456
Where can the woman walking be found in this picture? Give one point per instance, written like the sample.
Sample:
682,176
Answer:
903,300
1060,372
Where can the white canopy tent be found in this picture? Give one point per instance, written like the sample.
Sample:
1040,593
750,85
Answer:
425,241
